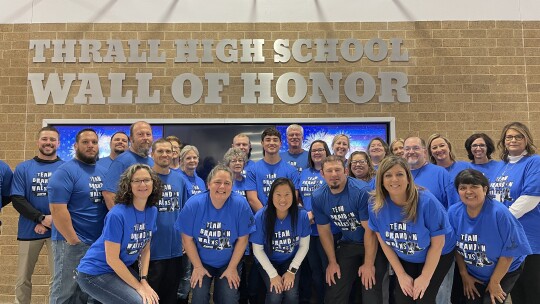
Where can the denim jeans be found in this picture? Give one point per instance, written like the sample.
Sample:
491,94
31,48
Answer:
318,263
185,286
287,297
66,259
108,288
223,294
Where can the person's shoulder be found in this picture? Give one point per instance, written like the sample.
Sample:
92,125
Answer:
455,209
434,168
462,165
357,184
321,191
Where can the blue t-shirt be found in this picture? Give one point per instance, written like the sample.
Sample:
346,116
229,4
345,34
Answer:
239,187
194,184
311,180
215,231
124,225
455,168
30,180
167,242
286,240
79,185
247,167
299,161
6,175
119,165
494,233
411,239
346,209
489,169
262,174
437,180
515,180
105,162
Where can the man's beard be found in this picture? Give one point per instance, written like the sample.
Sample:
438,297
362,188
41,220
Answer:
42,151
85,159
118,152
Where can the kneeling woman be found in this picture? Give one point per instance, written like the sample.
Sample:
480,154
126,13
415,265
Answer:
280,242
413,230
215,227
103,272
491,243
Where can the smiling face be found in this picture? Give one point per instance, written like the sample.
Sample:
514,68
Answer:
141,138
318,153
341,146
479,150
359,166
236,164
397,149
190,161
473,196
141,185
440,150
282,199
515,142
119,143
48,144
294,139
271,144
241,142
376,150
395,182
162,154
220,186
415,153
335,175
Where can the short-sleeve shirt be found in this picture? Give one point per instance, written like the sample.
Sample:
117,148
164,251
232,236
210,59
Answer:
6,175
489,169
215,231
286,240
346,209
119,165
299,161
30,180
437,180
124,225
411,239
262,174
194,183
78,185
482,240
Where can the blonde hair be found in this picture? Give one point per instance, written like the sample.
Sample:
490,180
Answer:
431,139
395,141
381,194
521,128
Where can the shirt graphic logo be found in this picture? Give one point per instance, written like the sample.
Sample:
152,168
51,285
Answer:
213,236
283,242
311,184
500,189
169,201
343,220
138,239
40,182
267,182
402,240
473,252
195,189
95,189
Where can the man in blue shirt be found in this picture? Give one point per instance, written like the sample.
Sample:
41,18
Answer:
296,156
140,136
242,142
78,212
344,201
118,145
29,197
165,268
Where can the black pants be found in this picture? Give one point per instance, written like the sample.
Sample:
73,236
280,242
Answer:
527,287
507,283
164,277
350,256
415,269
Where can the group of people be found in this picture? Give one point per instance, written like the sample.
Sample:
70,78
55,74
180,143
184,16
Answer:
385,225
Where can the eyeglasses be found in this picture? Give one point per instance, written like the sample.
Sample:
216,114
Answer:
318,150
146,181
478,146
518,137
234,161
415,148
358,162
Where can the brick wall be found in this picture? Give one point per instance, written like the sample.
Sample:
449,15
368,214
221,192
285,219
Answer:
463,77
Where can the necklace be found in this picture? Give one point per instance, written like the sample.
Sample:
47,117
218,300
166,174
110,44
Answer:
418,171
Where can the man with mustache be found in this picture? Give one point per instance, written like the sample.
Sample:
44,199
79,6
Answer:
140,136
119,144
296,156
29,197
78,212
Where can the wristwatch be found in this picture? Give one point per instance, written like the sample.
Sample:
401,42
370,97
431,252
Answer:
292,270
144,277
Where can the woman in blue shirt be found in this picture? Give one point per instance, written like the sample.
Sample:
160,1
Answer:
235,159
517,185
361,166
215,226
491,243
479,148
103,272
280,242
413,230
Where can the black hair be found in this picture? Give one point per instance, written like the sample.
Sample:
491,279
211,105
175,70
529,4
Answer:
325,145
119,132
490,145
78,136
270,132
471,177
270,214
